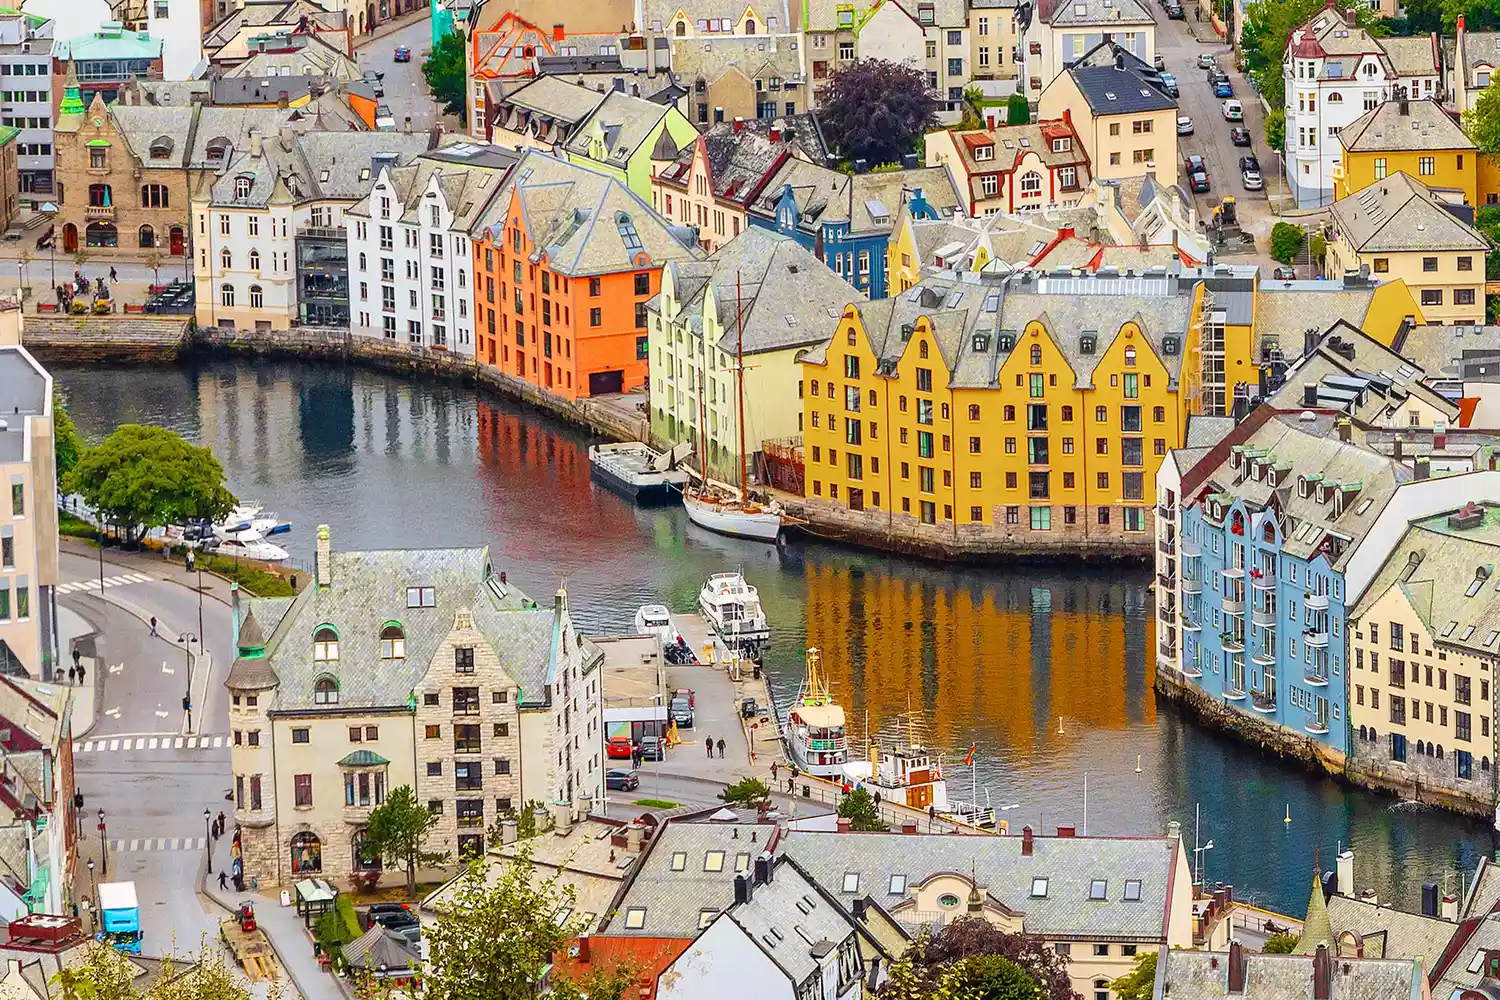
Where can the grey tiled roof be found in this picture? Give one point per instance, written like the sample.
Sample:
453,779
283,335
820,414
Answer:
657,15
623,122
1423,125
1201,975
1069,864
826,196
469,188
311,166
1077,13
1398,214
742,162
143,124
1390,379
1111,90
1286,311
755,56
555,98
1398,934
323,59
1481,48
1415,56
787,918
1438,349
675,900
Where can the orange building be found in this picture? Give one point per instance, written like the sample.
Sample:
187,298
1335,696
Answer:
566,261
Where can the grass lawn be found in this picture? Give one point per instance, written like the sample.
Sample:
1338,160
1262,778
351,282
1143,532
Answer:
657,803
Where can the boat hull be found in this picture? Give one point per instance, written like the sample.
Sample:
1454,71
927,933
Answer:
646,488
760,527
833,772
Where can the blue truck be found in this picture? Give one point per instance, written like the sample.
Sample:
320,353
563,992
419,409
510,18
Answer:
120,916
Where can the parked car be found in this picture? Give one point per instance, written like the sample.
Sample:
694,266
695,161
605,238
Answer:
1175,11
1252,180
652,748
403,54
373,80
681,711
1184,125
1197,171
1198,182
1234,111
621,781
1239,135
1249,163
1159,62
378,910
1223,88
689,694
1284,273
1169,85
1206,60
403,922
384,120
619,748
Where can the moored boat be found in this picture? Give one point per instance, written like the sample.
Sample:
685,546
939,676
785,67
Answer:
729,515
814,731
639,472
732,609
902,769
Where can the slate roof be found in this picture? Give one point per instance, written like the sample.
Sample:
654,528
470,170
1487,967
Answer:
312,166
469,188
1112,90
742,162
1438,349
1481,48
554,98
790,921
659,14
144,125
1077,13
625,123
674,901
756,56
1069,864
577,215
1010,144
1201,975
1361,377
315,55
1415,56
1386,127
1398,214
1388,932
1286,310
867,203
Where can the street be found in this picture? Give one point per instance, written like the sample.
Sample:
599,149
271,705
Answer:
405,89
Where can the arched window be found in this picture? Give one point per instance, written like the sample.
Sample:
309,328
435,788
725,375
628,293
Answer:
241,188
1373,735
307,853
392,642
1036,354
226,259
628,235
326,691
326,645
161,147
681,30
1031,182
750,26
254,260
363,262
218,149
1269,533
1130,357
364,861
257,297
1484,764
922,350
1335,98
226,294
1440,751
1101,989
1362,733
147,237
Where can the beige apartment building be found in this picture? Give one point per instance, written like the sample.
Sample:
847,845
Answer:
1127,124
28,526
404,667
995,52
1424,646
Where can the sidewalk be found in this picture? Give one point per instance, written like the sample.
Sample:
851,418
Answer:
154,564
392,26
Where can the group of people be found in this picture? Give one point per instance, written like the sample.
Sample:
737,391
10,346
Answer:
708,744
66,293
76,672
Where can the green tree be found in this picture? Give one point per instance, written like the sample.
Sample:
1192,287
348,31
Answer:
1140,981
67,444
398,833
858,807
1286,240
1017,110
1268,25
877,111
1276,129
444,73
1482,121
497,933
1279,944
102,973
154,260
145,477
746,792
990,977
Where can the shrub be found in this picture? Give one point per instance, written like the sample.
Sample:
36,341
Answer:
101,307
78,308
1017,110
1286,240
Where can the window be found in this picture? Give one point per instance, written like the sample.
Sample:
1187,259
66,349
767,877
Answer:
1426,165
325,645
226,294
463,660
1038,888
1132,889
635,918
302,789
301,735
326,691
421,597
713,861
257,294
1099,889
897,885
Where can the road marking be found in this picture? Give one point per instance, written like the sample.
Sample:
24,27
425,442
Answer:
135,845
114,745
160,714
117,668
218,742
166,669
113,713
137,577
192,742
178,744
152,746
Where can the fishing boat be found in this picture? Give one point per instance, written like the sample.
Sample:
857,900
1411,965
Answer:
732,609
718,506
639,472
814,732
901,768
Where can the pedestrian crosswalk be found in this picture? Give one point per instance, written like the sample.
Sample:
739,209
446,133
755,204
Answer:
122,580
134,743
158,844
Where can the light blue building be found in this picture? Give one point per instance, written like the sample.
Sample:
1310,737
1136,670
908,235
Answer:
847,220
1268,522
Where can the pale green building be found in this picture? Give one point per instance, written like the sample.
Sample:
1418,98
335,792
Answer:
621,134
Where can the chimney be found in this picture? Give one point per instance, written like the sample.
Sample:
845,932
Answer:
509,831
323,562
634,834
1174,830
1404,106
1026,845
255,139
1346,430
1397,449
1236,968
583,948
1429,899
1067,831
763,869
744,887
1422,467
1345,867
1350,19
1309,394
558,33
858,908
1119,60
1322,974
288,136
1450,907
776,130
845,824
1439,434
909,827
739,125
770,862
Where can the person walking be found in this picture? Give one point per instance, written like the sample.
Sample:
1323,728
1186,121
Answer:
709,745
80,673
222,823
60,293
773,770
72,676
223,880
721,748
153,625
76,654
112,276
877,800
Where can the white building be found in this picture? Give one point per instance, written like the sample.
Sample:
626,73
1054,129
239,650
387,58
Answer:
410,259
1334,72
1057,33
179,25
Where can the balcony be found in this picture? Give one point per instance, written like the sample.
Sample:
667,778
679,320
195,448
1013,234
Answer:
1190,670
357,815
1315,677
1233,642
1234,694
105,212
1167,546
322,232
1167,650
1263,701
1166,510
1190,548
1233,606
1262,579
1317,726
1264,617
1167,612
1264,657
1317,602
1166,581
1191,584
1190,624
1317,640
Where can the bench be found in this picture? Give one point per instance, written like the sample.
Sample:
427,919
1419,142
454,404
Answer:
46,307
131,308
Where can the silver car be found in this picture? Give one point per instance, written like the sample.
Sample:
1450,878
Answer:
1252,179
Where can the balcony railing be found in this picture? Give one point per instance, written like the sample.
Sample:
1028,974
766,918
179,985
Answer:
1167,612
1167,546
1263,580
1317,726
323,232
1233,606
1315,677
1264,617
1166,510
1191,584
1190,669
1317,640
1317,602
1233,642
99,212
1263,701
1264,656
1234,693
1167,649
1190,624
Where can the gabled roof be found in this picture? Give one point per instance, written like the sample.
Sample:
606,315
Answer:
623,122
1358,375
1201,975
470,176
1114,81
1404,125
1398,214
743,156
1105,13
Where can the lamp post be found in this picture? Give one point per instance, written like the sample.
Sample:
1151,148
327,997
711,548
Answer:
95,910
1200,861
103,851
209,839
187,639
49,209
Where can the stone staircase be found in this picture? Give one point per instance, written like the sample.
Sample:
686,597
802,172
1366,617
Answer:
105,338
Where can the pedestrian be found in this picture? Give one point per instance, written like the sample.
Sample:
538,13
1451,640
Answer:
721,747
191,560
72,675
222,822
153,625
709,744
223,880
61,293
877,800
75,654
790,784
773,770
112,276
80,673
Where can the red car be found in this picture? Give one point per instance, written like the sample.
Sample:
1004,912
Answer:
619,747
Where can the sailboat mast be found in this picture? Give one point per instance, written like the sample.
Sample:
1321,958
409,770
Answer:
739,372
702,431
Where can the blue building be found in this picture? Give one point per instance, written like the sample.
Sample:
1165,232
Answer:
1267,527
847,220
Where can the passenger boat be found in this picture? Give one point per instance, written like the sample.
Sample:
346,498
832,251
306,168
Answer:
814,731
732,609
901,768
656,619
639,472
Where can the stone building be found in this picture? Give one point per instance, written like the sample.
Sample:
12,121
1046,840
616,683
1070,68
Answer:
422,668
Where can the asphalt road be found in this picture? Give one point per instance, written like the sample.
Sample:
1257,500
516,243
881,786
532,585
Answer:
405,90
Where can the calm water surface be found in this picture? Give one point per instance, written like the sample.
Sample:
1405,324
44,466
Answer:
1047,670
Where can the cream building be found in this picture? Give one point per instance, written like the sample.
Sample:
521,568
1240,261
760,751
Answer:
28,528
1424,648
929,35
789,300
422,668
1060,33
1127,124
1398,229
995,43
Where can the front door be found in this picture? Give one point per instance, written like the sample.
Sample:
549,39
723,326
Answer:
176,242
70,238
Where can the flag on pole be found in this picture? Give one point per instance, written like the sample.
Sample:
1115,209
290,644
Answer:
969,760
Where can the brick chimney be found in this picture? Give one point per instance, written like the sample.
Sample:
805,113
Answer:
583,948
1350,18
845,824
323,562
1322,974
1026,843
739,125
1236,968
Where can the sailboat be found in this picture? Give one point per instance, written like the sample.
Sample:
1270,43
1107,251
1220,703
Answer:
717,506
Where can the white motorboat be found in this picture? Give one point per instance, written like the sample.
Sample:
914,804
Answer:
814,730
254,517
640,472
247,543
732,516
732,608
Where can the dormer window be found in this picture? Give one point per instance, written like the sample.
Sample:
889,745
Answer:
393,642
1062,145
217,150
421,597
241,188
1099,889
326,645
161,147
986,152
326,691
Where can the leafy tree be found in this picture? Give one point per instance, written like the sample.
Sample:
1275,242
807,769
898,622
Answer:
1140,982
1018,110
497,933
990,977
1482,121
971,958
1276,129
1286,240
444,73
398,834
66,441
746,792
859,808
1268,25
154,260
144,477
877,111
971,936
1279,944
103,973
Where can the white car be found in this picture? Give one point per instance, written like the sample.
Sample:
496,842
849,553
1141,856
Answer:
1184,125
1205,60
1234,111
1253,180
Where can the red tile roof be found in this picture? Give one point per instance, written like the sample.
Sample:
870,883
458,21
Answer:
649,956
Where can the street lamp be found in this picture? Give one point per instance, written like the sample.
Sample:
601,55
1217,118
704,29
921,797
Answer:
187,639
208,829
1199,861
95,885
50,210
103,852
